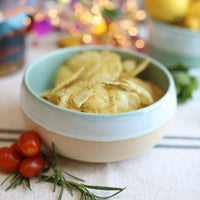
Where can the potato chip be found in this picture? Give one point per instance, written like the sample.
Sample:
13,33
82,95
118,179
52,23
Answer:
119,84
71,94
99,82
85,58
63,74
128,67
55,97
98,102
141,67
122,100
110,67
66,82
145,96
90,60
153,89
82,97
66,94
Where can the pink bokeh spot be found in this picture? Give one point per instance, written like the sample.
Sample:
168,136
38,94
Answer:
42,28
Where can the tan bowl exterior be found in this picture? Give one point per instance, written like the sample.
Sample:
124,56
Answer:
98,151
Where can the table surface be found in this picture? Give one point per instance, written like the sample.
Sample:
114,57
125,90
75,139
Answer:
170,170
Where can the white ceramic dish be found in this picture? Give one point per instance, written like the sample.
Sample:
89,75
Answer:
95,137
171,44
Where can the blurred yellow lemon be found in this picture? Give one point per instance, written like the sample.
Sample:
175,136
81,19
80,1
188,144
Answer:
192,19
67,41
167,10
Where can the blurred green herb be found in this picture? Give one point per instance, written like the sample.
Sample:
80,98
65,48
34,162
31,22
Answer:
110,14
185,83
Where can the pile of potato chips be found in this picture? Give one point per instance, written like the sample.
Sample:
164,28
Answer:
100,82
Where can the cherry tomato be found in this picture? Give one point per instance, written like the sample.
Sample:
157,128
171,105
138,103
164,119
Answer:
15,147
9,160
31,167
29,143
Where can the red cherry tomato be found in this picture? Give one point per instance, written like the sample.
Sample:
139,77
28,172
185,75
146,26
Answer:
9,160
29,143
15,147
31,167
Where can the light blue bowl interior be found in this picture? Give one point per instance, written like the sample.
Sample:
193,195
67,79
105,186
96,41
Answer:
40,76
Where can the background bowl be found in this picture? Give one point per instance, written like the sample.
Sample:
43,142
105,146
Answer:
95,137
171,44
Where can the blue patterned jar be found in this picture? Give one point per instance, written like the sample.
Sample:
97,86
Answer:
12,40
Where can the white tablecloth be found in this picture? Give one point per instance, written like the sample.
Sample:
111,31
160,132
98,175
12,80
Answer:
170,170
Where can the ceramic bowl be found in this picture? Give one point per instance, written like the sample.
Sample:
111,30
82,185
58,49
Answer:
95,137
171,44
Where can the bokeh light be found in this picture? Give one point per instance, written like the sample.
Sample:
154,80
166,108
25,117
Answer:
140,15
139,44
87,38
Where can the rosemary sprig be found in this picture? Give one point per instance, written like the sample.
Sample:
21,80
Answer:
58,179
16,180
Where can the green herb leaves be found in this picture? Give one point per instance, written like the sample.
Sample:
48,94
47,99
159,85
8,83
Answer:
17,179
185,83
